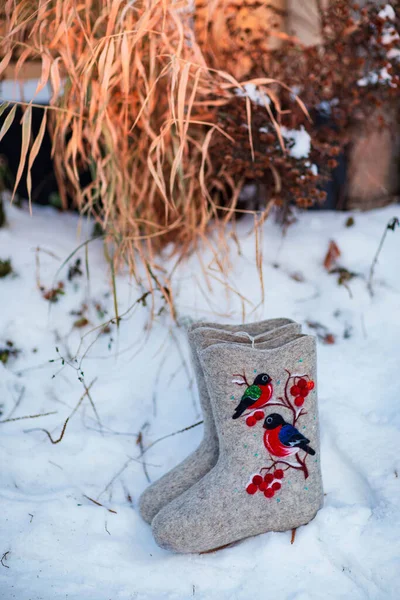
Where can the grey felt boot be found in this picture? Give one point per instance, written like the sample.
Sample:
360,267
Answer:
268,476
196,465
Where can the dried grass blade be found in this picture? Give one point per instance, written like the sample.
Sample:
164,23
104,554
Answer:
248,113
26,136
259,254
55,80
183,84
5,62
21,60
33,154
108,66
3,107
204,151
112,16
44,77
183,123
125,62
276,126
146,100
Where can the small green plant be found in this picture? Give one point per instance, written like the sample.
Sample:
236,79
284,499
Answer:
75,270
8,351
53,294
55,200
5,267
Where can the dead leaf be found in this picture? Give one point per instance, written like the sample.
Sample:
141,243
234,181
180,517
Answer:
82,322
322,332
332,255
344,275
297,276
7,122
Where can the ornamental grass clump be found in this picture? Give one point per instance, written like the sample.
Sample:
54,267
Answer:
134,102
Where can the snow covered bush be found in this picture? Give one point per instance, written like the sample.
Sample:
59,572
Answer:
350,80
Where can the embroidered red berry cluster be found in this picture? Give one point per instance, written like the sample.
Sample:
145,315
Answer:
268,485
257,415
300,390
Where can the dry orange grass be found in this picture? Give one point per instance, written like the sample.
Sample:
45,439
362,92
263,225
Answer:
134,101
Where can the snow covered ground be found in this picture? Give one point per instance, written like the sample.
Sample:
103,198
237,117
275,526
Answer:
56,543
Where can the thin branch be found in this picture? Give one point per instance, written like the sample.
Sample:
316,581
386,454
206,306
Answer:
392,224
87,388
131,458
277,403
62,433
282,462
54,412
139,442
296,412
245,382
81,399
287,404
156,382
4,558
99,504
164,437
87,391
303,465
126,464
286,385
17,403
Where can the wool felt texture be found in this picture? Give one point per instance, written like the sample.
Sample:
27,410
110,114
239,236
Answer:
267,477
255,328
197,464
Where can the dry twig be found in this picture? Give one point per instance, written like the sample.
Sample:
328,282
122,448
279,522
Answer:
57,441
391,225
3,558
54,412
293,536
99,504
164,437
68,418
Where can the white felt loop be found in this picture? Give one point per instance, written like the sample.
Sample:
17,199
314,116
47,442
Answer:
251,338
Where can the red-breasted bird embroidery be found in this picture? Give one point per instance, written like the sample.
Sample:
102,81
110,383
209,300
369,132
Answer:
282,439
256,395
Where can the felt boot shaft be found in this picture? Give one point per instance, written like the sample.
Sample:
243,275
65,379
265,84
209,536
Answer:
195,466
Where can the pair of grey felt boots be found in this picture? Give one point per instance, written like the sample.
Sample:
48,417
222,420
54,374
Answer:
258,466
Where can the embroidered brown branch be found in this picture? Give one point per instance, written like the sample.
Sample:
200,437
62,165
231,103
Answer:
300,467
239,379
303,384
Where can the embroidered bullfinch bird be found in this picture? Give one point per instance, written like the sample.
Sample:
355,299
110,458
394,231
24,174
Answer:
256,395
282,439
